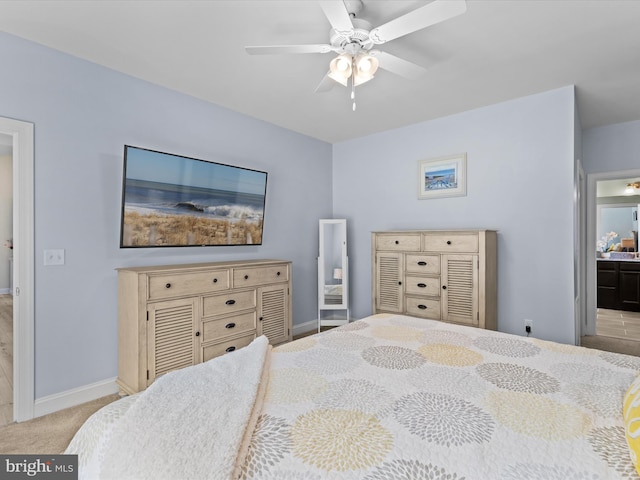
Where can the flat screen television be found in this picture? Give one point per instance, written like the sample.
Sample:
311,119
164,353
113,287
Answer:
174,201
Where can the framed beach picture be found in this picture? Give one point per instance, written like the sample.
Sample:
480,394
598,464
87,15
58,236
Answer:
443,177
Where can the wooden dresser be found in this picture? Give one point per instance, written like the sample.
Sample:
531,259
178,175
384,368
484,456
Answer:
443,275
173,316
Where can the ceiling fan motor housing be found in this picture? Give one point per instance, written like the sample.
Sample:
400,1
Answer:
359,36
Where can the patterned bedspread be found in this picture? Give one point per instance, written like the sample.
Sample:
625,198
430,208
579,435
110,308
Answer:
399,397
396,397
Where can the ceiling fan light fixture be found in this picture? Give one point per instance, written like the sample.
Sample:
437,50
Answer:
340,69
365,66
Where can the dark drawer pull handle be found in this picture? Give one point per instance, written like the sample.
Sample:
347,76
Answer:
448,242
397,242
422,307
230,349
421,263
422,285
197,334
230,325
399,283
215,280
444,287
168,285
278,274
260,318
229,302
246,277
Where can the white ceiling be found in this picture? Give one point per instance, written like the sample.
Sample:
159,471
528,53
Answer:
498,50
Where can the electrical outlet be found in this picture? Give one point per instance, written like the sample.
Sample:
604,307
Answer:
54,257
528,325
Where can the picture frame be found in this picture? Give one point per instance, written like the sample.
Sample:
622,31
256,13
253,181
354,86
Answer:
443,177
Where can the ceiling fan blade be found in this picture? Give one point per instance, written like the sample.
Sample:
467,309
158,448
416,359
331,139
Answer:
326,84
397,65
435,12
337,14
280,49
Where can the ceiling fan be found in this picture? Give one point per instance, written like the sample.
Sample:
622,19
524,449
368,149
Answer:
353,39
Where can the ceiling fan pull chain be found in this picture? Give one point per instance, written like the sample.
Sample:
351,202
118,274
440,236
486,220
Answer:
353,82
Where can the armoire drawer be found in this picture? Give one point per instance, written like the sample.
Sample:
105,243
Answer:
225,327
423,307
445,243
228,303
429,264
400,242
421,285
191,283
260,275
218,349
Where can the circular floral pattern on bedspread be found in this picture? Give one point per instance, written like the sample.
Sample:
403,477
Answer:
443,419
593,375
298,346
361,395
537,471
292,385
610,444
508,347
452,355
397,333
318,361
604,400
353,326
446,336
392,357
518,378
537,416
340,440
447,380
410,469
563,348
619,360
269,444
347,341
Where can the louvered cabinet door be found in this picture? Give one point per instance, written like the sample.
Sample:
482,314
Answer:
172,334
388,286
273,313
460,289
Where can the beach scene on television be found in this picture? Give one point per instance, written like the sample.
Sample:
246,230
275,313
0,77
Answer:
169,200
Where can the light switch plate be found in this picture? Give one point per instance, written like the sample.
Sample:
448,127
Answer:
54,257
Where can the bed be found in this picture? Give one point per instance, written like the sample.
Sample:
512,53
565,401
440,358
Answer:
388,396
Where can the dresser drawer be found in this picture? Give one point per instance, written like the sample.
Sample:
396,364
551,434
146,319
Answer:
246,277
455,242
218,349
422,307
214,330
228,303
399,242
422,263
420,285
191,283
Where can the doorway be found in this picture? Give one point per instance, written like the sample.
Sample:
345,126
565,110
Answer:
610,324
22,135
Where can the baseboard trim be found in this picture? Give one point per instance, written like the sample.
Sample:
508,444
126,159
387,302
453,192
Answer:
73,397
306,327
4,291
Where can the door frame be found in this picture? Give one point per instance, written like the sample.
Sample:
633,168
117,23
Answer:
23,267
590,251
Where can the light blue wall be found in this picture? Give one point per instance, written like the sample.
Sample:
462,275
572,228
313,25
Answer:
612,148
520,164
83,115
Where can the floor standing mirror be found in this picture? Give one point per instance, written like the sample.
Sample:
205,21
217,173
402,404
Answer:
333,274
